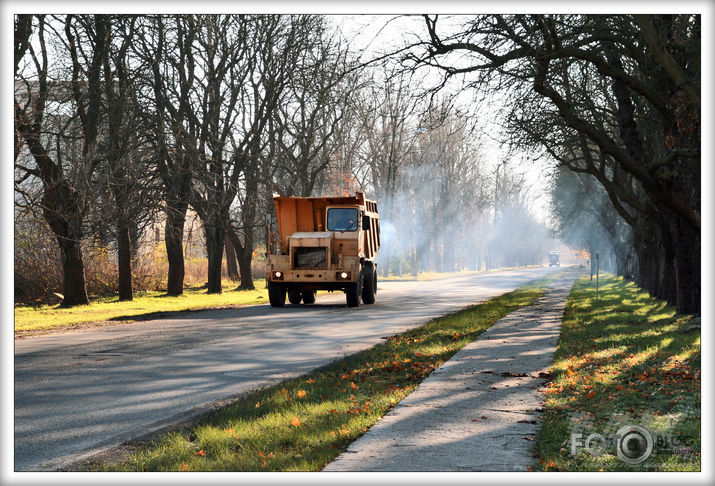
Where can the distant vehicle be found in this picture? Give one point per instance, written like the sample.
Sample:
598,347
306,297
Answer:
324,243
554,259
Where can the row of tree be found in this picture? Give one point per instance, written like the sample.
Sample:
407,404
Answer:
615,98
125,120
121,119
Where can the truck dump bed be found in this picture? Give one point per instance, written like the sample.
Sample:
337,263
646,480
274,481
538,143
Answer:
307,214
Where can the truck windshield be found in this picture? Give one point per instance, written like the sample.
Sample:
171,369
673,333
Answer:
342,219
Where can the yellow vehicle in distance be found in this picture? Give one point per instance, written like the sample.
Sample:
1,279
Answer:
323,243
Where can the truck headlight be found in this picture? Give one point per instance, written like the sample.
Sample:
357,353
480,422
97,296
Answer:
342,275
278,275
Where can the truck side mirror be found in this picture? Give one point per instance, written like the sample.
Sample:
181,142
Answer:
365,222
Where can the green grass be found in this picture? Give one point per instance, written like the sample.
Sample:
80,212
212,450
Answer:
145,305
624,359
303,424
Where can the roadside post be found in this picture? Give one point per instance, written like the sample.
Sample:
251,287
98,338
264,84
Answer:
597,276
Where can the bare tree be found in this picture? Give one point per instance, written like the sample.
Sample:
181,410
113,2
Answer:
652,132
165,46
66,177
123,171
312,107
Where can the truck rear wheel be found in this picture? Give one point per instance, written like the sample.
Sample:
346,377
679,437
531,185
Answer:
309,296
294,296
369,283
352,292
276,294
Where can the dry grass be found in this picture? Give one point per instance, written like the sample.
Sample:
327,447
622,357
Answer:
145,304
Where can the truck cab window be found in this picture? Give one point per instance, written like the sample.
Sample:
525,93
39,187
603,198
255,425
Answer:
342,219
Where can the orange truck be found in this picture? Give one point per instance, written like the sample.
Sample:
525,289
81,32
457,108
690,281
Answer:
323,243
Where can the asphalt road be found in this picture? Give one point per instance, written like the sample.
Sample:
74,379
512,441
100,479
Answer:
79,392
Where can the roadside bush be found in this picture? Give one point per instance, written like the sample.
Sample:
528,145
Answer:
37,268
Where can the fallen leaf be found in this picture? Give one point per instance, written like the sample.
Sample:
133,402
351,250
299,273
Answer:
591,394
201,453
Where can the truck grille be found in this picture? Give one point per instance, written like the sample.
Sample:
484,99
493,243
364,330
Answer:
310,257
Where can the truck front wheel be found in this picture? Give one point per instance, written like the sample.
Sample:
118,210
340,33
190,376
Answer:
352,292
369,283
276,294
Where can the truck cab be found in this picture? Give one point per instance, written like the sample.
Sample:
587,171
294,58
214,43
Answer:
323,243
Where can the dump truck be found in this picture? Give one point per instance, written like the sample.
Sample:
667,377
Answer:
554,258
323,243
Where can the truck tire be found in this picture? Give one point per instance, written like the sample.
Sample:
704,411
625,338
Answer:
309,296
294,296
352,292
369,283
276,294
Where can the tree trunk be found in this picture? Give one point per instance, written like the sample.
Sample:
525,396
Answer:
621,260
231,261
245,258
173,237
75,285
124,261
244,255
686,244
215,235
63,214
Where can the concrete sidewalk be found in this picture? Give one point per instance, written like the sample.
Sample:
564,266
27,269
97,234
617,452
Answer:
478,411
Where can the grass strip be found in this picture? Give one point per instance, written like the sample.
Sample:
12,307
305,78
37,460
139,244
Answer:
626,359
304,423
145,305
